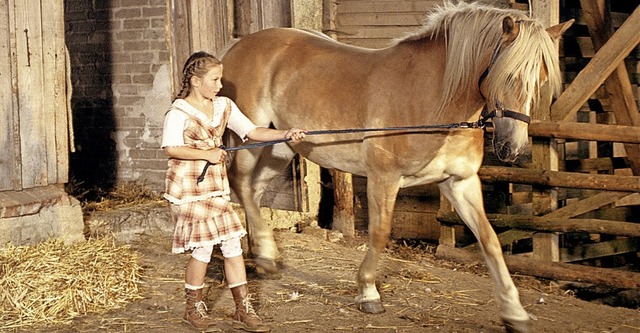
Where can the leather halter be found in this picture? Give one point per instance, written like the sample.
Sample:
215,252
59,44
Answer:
498,111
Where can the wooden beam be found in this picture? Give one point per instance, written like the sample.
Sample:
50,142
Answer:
584,131
599,250
560,179
588,204
551,270
505,238
599,68
618,85
551,224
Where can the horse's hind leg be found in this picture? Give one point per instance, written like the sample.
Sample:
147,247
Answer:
249,175
466,197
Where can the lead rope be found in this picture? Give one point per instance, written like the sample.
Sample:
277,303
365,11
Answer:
481,123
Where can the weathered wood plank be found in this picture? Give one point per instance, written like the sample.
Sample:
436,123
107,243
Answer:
381,19
366,32
55,81
549,224
30,93
179,41
598,69
9,140
367,6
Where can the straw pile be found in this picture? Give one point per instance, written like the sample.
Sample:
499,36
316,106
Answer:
51,283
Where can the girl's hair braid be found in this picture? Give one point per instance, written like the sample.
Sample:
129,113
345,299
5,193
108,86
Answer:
198,65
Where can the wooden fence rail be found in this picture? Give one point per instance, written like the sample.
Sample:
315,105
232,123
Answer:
560,179
551,224
584,131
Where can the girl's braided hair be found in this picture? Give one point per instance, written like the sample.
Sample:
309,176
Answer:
198,65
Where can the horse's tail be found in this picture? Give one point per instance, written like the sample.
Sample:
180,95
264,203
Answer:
226,48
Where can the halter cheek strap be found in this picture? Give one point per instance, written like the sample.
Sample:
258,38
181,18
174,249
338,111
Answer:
501,112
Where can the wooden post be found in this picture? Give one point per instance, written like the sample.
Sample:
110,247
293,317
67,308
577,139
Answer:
311,186
447,230
343,216
544,153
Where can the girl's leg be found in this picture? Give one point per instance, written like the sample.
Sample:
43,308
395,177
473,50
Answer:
235,272
195,312
196,271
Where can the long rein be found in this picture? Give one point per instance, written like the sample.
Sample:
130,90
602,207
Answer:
481,124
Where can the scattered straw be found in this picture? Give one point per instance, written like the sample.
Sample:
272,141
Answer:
51,283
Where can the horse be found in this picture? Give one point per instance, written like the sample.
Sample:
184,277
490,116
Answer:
467,57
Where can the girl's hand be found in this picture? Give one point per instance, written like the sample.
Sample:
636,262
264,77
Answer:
295,134
216,155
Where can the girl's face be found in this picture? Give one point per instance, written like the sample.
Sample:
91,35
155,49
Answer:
210,84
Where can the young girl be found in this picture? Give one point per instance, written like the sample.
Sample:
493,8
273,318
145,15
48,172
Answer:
202,211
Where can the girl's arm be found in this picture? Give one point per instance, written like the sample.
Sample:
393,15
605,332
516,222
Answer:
214,156
269,134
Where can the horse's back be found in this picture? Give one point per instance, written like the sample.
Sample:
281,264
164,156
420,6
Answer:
297,78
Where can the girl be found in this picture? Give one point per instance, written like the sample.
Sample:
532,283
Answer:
202,211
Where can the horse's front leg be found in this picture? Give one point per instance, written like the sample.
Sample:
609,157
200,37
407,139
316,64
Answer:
381,200
466,197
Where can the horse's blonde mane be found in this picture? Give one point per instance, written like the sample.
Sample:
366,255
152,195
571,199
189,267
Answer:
471,32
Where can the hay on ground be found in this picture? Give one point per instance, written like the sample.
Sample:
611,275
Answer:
51,283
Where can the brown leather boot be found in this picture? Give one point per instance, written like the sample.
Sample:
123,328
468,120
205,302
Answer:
195,312
245,317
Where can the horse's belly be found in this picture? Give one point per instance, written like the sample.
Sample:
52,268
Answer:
459,156
346,157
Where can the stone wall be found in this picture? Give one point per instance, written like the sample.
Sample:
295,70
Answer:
34,215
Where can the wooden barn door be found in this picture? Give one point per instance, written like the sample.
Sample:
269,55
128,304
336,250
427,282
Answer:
34,122
197,25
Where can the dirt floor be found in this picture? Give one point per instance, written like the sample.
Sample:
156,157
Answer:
317,290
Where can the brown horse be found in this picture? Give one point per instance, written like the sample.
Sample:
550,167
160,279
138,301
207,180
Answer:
468,56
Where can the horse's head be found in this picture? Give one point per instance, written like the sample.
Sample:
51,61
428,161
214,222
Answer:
521,62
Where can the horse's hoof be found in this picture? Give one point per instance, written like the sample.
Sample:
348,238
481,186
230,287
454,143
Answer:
267,269
371,307
518,326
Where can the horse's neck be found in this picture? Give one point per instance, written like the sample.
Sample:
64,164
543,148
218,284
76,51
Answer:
427,58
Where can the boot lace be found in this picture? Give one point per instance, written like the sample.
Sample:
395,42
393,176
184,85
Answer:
248,307
201,309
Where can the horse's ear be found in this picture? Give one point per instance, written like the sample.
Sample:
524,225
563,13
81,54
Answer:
510,29
557,30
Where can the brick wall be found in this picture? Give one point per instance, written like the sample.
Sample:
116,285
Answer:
121,90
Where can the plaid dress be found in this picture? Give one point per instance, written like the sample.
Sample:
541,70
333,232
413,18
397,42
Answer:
202,212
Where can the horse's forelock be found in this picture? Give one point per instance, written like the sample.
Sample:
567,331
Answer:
521,64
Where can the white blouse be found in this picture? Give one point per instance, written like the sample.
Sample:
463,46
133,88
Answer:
175,121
